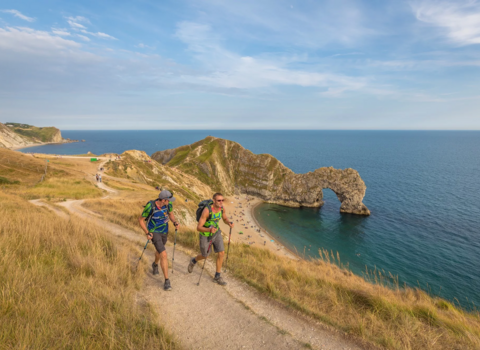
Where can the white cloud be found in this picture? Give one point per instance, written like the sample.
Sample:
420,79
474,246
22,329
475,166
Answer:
460,19
19,15
310,24
60,31
29,41
144,46
75,24
79,27
229,70
103,35
42,62
83,37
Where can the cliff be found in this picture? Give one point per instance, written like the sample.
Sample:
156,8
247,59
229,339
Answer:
139,167
15,135
228,167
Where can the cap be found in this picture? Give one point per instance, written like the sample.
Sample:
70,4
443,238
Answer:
166,195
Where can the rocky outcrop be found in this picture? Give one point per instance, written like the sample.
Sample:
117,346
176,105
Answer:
228,167
16,135
10,139
57,137
138,166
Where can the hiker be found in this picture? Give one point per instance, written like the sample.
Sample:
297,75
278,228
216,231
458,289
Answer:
154,222
99,177
209,231
96,176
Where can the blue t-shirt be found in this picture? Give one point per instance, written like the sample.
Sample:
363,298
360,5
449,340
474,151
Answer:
159,220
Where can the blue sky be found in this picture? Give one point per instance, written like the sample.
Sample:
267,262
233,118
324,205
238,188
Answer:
213,64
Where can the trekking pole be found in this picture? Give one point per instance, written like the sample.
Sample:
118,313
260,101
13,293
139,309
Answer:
228,249
203,268
174,245
140,258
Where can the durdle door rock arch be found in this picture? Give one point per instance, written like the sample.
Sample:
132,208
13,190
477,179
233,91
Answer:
228,167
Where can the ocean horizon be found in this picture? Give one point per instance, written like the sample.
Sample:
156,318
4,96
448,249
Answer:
421,190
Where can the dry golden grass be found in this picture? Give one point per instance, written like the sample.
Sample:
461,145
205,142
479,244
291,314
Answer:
60,183
125,211
394,318
63,188
64,284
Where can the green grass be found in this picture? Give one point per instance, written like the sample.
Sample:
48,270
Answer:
42,134
5,181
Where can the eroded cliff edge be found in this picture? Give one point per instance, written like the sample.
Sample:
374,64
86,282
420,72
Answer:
17,135
228,167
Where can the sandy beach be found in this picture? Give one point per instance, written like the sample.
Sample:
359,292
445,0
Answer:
240,211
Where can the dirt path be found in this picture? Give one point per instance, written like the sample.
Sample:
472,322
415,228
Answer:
213,317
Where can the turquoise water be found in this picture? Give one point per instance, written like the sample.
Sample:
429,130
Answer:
422,190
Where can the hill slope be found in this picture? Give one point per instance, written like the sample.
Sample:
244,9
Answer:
13,135
228,167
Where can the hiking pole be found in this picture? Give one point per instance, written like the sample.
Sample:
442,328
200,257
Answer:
140,258
203,268
174,245
228,249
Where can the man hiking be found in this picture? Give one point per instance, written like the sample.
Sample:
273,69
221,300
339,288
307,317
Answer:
154,222
209,231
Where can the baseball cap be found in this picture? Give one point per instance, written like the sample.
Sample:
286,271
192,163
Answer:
166,195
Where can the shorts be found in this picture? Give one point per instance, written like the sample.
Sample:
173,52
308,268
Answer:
159,240
217,243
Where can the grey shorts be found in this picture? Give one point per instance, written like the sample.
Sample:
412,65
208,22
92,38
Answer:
159,240
217,243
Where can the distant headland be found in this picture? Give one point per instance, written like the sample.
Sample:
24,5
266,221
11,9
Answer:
17,135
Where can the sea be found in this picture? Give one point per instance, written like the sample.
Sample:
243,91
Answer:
423,190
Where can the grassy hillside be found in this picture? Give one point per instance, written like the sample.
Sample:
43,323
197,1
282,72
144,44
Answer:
65,284
136,166
21,174
394,318
34,133
198,159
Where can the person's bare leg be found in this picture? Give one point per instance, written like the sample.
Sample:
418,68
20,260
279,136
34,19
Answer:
200,257
164,263
220,261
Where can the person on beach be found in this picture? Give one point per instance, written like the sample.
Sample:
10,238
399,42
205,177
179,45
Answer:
154,222
209,231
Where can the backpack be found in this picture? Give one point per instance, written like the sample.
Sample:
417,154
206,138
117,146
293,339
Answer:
207,203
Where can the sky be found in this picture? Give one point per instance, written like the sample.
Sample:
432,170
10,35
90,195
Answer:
250,64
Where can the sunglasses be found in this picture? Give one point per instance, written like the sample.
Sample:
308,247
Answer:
220,200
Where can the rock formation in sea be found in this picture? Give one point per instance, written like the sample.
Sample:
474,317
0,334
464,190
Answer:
228,167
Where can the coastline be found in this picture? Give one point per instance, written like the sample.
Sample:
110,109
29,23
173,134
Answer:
241,210
294,255
39,144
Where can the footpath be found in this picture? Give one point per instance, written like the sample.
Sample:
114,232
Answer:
210,316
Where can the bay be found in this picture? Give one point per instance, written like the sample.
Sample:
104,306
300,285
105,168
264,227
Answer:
422,190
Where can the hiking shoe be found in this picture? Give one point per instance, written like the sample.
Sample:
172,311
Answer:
155,269
167,286
220,281
191,266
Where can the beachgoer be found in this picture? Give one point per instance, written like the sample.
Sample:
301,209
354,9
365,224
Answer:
209,231
158,213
